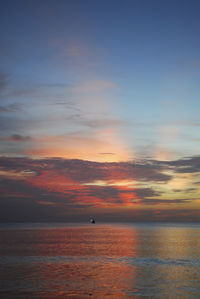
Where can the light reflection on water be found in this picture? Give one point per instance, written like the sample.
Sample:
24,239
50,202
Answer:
113,261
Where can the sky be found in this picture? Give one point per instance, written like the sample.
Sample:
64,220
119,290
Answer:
99,110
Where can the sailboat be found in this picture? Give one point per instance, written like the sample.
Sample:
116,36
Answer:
92,220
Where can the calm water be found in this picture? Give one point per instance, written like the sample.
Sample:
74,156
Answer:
101,260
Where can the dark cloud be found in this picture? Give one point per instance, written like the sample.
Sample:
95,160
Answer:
190,189
18,195
158,201
87,171
16,138
186,165
74,180
107,154
38,189
17,188
147,192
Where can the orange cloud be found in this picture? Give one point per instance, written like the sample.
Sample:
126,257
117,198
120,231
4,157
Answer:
52,181
84,184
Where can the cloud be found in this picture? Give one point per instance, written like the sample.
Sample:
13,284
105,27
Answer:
88,171
72,182
107,153
16,138
69,185
186,165
147,192
103,123
158,201
11,107
22,92
95,123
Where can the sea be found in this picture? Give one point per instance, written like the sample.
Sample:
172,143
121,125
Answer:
133,260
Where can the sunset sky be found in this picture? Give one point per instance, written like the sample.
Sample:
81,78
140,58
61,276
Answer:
99,110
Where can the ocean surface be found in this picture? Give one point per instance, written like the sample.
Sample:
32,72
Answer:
100,260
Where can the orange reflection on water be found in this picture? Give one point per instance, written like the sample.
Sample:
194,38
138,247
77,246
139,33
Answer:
77,261
112,261
94,268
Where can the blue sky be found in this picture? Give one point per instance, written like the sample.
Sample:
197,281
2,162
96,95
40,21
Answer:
144,54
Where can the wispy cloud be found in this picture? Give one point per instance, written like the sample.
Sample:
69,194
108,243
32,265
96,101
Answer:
11,107
92,86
